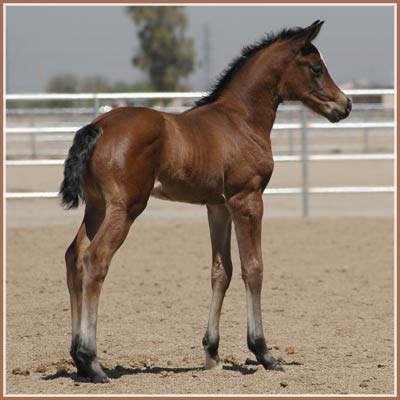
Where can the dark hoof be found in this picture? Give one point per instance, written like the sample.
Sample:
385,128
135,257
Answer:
88,367
213,363
275,367
81,373
95,373
95,376
100,379
270,363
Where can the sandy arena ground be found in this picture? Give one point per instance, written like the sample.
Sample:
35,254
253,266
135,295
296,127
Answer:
327,302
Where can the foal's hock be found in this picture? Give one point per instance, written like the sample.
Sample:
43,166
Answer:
218,153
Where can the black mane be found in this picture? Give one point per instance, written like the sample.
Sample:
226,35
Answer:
248,51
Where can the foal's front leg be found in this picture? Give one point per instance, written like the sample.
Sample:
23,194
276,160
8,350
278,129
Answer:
247,212
221,272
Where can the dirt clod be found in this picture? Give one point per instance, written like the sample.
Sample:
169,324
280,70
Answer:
20,371
290,350
62,367
231,360
41,368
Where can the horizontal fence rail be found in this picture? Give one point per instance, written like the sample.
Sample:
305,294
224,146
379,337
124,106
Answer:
65,133
314,157
88,110
157,95
106,96
278,126
314,190
275,191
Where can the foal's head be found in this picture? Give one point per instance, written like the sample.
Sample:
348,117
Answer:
307,79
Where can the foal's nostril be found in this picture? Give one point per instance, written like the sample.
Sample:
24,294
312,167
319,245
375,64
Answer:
349,105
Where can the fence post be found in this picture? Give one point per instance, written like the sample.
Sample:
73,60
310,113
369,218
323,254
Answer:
366,136
291,139
304,159
33,145
33,137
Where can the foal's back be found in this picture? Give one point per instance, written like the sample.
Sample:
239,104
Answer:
184,152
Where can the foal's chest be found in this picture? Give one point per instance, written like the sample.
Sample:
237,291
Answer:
250,161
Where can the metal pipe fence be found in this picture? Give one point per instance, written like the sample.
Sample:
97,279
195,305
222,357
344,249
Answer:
65,133
312,157
270,191
158,95
33,136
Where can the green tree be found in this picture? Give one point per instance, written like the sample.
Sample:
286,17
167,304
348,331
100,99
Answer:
125,87
63,83
165,53
95,84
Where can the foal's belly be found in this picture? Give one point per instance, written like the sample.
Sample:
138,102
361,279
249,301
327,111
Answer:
187,192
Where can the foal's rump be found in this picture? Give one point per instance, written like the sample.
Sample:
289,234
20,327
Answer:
114,158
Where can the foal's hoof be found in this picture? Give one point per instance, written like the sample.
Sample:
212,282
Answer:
275,367
81,373
89,367
270,363
215,367
93,376
100,379
96,374
213,363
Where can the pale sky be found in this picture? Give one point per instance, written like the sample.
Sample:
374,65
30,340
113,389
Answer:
357,42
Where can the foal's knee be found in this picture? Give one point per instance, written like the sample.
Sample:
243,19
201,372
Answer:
247,209
253,275
95,264
221,272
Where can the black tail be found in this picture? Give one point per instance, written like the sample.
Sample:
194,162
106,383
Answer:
79,154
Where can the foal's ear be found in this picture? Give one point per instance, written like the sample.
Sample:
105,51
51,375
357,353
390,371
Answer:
307,35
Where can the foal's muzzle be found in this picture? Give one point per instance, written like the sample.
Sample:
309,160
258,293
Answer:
339,113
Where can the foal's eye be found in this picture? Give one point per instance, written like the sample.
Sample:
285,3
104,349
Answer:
316,69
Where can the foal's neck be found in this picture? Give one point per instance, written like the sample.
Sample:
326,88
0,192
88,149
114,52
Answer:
255,89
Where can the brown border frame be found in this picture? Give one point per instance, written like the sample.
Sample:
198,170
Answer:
185,2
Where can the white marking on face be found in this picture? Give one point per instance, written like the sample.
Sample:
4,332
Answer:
322,58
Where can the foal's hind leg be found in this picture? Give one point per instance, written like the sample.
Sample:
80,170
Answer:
96,260
220,231
73,258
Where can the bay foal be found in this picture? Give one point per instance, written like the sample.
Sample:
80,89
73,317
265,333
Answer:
217,153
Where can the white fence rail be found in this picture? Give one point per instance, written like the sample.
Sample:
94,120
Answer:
157,95
314,157
313,190
278,126
304,126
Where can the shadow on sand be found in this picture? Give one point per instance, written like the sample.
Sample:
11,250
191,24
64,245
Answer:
119,371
